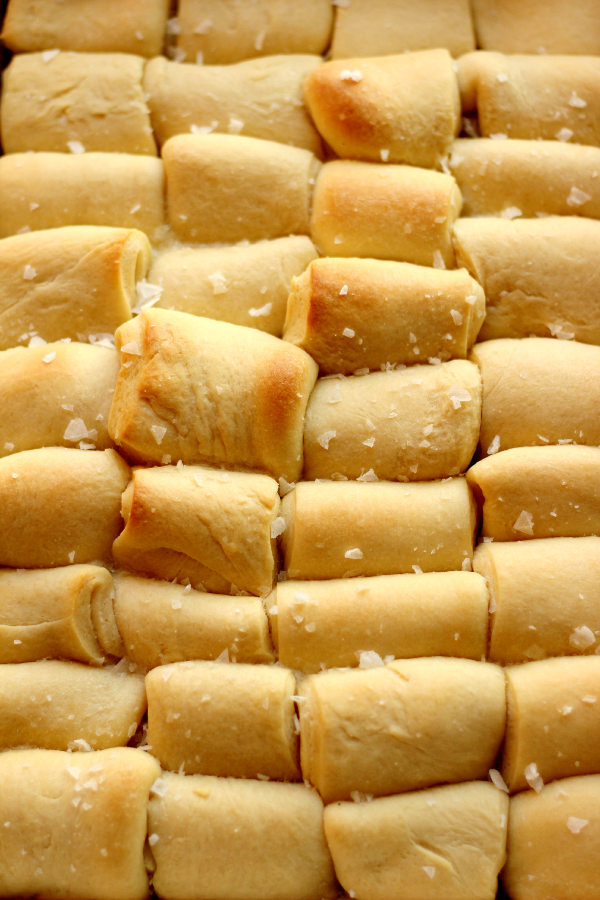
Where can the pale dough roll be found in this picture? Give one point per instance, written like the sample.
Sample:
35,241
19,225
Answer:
90,99
207,526
245,284
552,721
538,492
161,622
207,718
376,28
259,98
62,834
338,529
53,613
389,212
213,31
413,424
544,597
57,704
60,505
407,725
48,190
346,621
537,96
56,395
446,842
126,26
198,390
553,841
540,276
398,109
523,178
228,188
276,849
538,391
516,27
382,303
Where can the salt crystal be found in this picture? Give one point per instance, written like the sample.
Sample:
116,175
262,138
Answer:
75,146
524,522
49,357
369,659
565,134
29,272
218,282
369,442
343,290
131,347
589,699
223,657
286,486
533,777
511,212
582,637
429,871
494,445
259,40
457,317
575,824
577,197
458,395
355,553
497,780
349,332
335,395
384,154
576,101
557,331
438,260
47,55
76,430
261,310
204,129
502,77
176,603
369,475
325,438
147,295
277,527
235,125
353,75
158,432
153,839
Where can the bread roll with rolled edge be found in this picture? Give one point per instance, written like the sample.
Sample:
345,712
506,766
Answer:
59,506
398,109
543,597
61,838
244,284
337,529
413,424
539,492
163,623
352,621
207,718
526,178
539,275
198,390
228,188
407,725
382,303
515,27
440,842
390,212
206,526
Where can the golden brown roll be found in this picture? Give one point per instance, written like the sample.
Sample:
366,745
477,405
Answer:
228,188
65,612
58,813
59,506
354,621
48,190
207,718
553,841
398,109
445,842
74,282
213,31
538,492
516,27
365,313
75,102
161,622
543,597
206,526
247,284
526,178
389,212
413,424
410,724
57,705
199,390
539,275
336,529
259,98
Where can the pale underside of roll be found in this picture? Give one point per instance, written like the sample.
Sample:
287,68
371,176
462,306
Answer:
75,102
161,623
336,529
275,851
443,842
539,492
352,313
204,526
543,597
59,836
352,621
228,188
398,109
515,27
540,276
413,424
244,284
410,724
259,98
